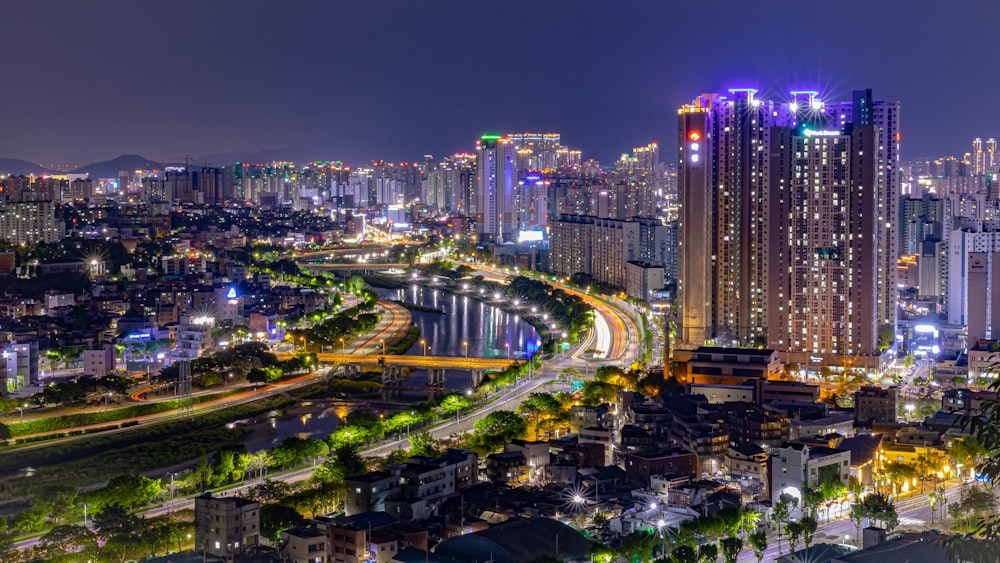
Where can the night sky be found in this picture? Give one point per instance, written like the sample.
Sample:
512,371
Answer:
354,81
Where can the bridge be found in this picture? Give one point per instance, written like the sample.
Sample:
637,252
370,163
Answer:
394,370
446,362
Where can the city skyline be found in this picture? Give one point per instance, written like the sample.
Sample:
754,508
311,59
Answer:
350,83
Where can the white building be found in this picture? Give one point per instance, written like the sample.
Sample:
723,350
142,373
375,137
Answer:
796,467
496,216
99,362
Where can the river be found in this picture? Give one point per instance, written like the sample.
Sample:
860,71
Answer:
488,330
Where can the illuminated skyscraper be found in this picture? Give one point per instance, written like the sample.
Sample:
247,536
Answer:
722,185
726,216
495,184
824,225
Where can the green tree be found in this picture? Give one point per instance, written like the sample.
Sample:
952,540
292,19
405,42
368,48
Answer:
684,554
67,542
780,513
7,536
809,526
758,540
794,531
708,553
495,430
276,518
731,548
120,532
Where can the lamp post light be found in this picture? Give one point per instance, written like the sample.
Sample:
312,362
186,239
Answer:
383,347
466,344
424,344
20,410
909,411
507,346
343,346
106,399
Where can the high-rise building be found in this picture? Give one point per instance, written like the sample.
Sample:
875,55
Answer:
495,188
29,223
722,182
726,208
824,187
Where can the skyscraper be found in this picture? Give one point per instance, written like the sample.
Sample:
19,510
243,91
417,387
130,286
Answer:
495,181
824,188
726,218
722,177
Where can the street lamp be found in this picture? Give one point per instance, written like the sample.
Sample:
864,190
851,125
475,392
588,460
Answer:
20,409
466,344
383,346
343,347
106,399
507,346
909,411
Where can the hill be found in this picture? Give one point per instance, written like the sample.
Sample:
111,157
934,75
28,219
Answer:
110,168
16,166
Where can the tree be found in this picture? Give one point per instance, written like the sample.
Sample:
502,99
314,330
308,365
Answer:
67,543
809,526
684,554
794,531
780,513
601,553
758,540
127,491
492,432
276,518
7,537
877,507
638,546
120,531
731,548
708,553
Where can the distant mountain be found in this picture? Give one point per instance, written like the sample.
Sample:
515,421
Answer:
16,167
110,168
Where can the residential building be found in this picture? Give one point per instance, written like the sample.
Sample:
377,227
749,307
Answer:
304,545
966,401
795,467
825,240
639,467
369,492
352,539
747,464
535,453
225,527
875,404
30,222
496,171
722,247
750,423
507,468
